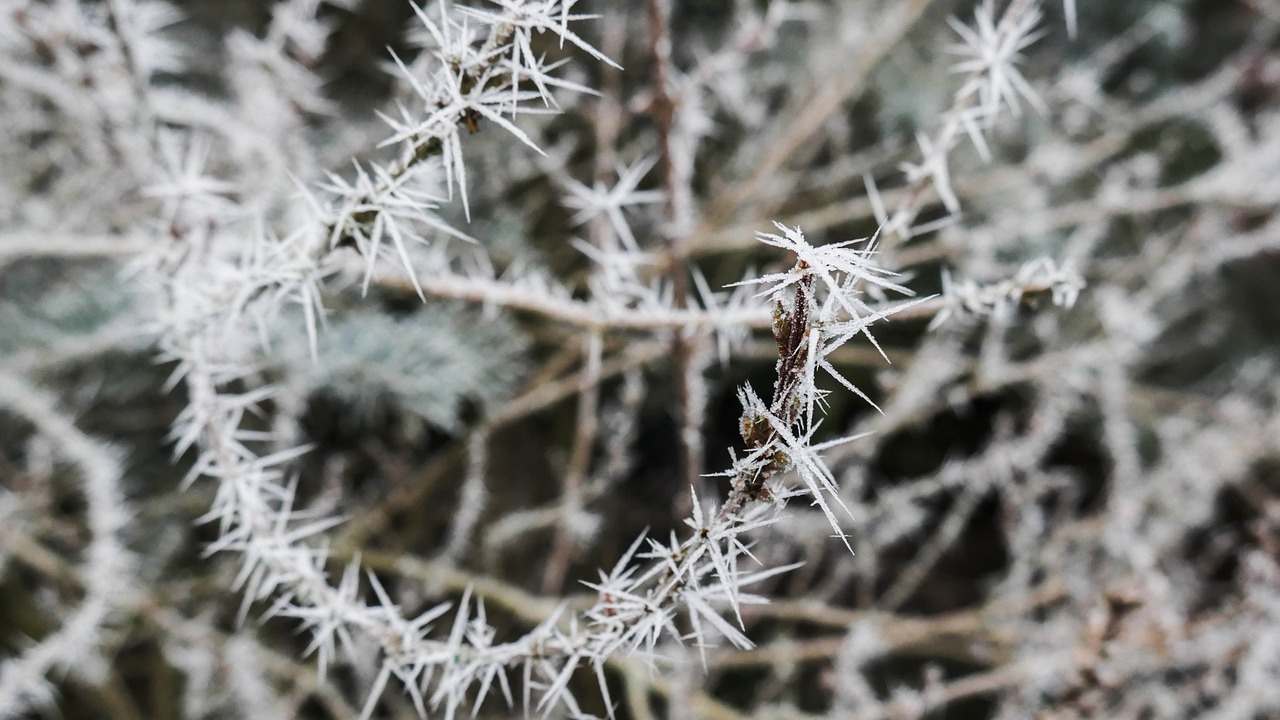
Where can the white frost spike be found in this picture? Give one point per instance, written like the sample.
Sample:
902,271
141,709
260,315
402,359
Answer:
991,51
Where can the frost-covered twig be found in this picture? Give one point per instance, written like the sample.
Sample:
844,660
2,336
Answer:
1038,277
107,564
989,57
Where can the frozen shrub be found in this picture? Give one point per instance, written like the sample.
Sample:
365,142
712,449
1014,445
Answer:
754,359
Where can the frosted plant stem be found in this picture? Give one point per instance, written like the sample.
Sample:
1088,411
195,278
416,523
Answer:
932,172
472,498
584,314
107,564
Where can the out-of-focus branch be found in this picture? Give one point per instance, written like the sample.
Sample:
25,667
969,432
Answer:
22,679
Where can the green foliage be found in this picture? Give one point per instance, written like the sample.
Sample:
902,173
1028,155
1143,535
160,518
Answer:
431,364
45,302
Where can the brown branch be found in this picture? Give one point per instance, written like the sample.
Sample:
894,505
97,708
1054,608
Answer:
677,207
